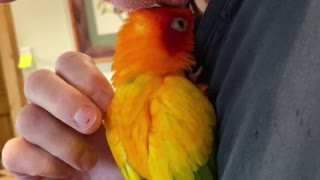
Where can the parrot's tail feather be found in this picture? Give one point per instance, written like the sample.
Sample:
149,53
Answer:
129,173
208,171
204,173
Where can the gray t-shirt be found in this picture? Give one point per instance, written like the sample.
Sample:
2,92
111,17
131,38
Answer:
261,60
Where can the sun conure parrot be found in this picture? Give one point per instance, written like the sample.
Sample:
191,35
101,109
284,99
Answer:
159,126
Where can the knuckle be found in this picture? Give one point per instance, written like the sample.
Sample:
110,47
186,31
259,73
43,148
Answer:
96,83
35,79
26,119
54,166
46,167
93,81
82,157
70,57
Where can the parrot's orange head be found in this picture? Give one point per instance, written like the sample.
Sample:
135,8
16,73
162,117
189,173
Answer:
155,40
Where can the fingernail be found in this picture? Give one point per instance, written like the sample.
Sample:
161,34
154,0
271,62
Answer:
85,117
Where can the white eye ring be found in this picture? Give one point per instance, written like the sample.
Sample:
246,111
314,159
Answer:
179,24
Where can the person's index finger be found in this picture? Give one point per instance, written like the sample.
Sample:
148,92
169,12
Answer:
49,91
80,71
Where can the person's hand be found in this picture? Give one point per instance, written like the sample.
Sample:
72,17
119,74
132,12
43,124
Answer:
60,129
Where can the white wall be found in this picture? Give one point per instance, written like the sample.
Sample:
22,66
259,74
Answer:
45,27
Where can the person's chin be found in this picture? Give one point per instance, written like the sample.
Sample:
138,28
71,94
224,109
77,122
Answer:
131,5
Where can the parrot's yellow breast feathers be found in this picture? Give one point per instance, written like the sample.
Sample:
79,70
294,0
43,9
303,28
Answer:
164,127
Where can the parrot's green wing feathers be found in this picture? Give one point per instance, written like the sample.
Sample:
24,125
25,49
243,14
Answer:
203,173
208,171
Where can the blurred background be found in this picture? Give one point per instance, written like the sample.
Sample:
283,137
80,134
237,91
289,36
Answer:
33,33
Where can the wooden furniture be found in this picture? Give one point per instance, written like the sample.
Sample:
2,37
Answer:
11,83
6,130
4,175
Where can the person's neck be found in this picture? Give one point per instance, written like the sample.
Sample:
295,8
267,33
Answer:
201,4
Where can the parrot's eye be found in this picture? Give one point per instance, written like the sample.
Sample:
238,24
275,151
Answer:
179,24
